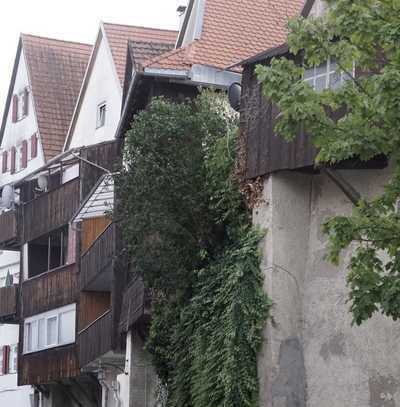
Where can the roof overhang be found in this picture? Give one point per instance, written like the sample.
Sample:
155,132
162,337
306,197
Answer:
99,201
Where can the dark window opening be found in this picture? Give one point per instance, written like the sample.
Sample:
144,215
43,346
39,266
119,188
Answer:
47,252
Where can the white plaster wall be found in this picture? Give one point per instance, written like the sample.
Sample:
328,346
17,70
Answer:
312,355
318,8
103,86
15,133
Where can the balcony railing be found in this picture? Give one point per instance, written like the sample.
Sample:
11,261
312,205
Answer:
8,227
53,289
51,210
97,262
95,340
135,305
8,304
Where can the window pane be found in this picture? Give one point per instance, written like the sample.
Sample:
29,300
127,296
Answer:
309,73
34,335
67,327
52,331
41,334
13,359
320,83
321,69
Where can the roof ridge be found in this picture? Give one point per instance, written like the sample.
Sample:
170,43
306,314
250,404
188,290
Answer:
55,39
140,26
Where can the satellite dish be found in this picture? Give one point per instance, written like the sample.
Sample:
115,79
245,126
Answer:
7,196
43,182
234,95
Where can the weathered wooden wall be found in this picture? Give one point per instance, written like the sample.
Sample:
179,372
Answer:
266,152
106,155
95,340
50,211
51,290
8,303
135,306
48,366
92,305
8,227
92,229
99,258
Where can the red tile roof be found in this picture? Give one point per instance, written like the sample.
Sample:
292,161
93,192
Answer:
142,51
119,35
56,70
233,30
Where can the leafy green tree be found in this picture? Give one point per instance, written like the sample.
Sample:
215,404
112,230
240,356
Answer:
189,234
363,37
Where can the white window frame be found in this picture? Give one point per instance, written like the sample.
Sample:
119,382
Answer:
311,75
46,316
101,115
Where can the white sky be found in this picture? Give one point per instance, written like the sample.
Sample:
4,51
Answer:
74,20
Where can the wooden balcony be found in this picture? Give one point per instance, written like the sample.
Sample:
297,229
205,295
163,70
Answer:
96,340
135,306
51,210
8,304
50,290
98,261
48,366
8,228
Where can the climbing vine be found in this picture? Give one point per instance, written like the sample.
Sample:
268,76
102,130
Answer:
189,235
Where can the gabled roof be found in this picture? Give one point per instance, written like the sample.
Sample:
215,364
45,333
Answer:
233,30
118,36
55,69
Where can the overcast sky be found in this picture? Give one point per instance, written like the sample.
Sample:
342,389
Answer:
74,20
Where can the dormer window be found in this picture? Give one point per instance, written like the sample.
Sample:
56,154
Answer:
101,115
325,76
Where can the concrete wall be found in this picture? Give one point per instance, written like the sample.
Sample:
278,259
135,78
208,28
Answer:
312,356
103,86
138,386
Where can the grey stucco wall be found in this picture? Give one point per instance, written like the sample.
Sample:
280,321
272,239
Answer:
312,355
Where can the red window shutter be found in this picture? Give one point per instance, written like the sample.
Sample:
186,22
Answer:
15,108
4,162
34,143
6,352
24,154
13,156
26,102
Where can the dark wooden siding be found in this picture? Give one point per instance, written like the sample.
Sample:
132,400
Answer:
92,305
8,227
266,152
51,210
135,306
53,289
106,155
48,366
95,340
98,258
8,304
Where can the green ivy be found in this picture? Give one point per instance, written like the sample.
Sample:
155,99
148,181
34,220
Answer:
189,235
